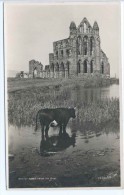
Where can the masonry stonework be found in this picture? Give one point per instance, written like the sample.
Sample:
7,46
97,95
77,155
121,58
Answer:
35,69
78,55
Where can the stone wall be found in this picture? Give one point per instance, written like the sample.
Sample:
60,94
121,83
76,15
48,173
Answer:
35,69
80,53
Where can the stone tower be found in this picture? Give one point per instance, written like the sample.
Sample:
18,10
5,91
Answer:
97,48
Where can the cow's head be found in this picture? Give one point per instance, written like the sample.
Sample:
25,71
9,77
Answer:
72,112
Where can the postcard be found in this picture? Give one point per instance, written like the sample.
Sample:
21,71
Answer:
62,70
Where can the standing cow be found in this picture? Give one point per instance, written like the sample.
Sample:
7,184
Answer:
59,115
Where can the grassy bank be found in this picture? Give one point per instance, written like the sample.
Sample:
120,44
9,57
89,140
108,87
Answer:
23,105
15,84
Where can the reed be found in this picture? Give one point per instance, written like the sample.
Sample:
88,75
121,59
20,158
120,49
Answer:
23,105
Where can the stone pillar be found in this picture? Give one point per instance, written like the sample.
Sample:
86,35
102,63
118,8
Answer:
51,74
60,74
66,73
56,74
88,66
97,56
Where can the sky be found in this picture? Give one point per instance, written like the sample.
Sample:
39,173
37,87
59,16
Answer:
31,29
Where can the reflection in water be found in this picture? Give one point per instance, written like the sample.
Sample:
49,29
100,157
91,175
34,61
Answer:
56,143
21,140
89,95
85,131
80,148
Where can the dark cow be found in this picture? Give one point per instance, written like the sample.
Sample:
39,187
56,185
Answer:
60,115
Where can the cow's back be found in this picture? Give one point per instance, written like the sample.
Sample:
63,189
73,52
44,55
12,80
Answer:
61,114
58,114
46,116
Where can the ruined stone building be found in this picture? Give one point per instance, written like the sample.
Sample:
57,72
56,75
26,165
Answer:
35,69
79,54
22,74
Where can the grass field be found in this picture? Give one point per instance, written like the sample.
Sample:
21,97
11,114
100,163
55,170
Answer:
89,81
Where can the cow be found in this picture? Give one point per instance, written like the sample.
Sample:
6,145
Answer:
50,117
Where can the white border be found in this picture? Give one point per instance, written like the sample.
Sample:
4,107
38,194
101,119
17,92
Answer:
2,125
122,90
2,129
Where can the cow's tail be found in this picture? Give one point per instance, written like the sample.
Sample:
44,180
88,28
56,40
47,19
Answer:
36,121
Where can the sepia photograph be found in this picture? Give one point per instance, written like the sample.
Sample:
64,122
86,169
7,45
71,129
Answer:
62,74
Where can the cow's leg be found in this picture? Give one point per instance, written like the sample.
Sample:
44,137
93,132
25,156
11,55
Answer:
42,129
60,131
46,131
64,127
42,132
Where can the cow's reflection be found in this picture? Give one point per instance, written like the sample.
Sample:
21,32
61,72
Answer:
56,143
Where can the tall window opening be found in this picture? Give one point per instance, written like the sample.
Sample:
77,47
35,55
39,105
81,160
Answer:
62,53
35,72
67,52
85,45
79,43
68,68
91,66
57,54
57,67
85,27
102,68
78,67
91,45
85,66
52,67
62,69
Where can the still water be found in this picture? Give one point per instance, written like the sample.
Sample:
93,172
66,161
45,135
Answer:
93,94
21,137
77,143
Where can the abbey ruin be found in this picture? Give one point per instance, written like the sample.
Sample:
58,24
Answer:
79,54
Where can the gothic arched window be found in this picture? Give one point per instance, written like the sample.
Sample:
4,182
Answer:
62,66
85,66
68,68
91,45
34,72
57,67
78,67
91,66
85,45
89,29
85,27
81,29
67,52
62,69
62,53
79,45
